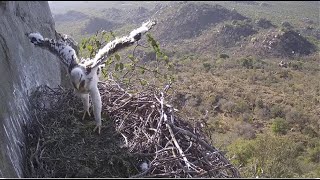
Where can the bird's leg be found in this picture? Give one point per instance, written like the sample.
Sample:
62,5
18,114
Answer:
97,107
86,104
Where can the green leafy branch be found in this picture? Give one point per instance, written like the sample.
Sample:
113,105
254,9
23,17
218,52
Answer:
130,69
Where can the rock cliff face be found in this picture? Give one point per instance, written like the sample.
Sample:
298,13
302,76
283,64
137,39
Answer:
22,68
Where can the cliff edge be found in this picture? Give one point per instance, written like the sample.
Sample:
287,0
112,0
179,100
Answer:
23,67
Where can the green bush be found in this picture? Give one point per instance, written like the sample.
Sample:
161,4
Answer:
314,154
279,126
224,56
242,151
267,156
252,63
247,63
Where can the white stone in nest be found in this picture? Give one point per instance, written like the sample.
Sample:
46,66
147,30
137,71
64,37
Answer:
144,166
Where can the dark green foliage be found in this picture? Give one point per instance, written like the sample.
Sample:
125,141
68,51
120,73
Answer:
279,126
224,56
90,46
314,154
247,63
266,156
264,23
122,67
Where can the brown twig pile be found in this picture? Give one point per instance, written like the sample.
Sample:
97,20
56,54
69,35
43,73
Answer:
60,144
151,129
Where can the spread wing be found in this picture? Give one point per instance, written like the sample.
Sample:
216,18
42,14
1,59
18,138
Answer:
69,40
60,48
120,43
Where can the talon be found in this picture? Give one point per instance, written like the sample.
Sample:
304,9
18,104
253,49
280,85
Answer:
84,114
99,128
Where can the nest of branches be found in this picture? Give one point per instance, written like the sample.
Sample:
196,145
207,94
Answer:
141,136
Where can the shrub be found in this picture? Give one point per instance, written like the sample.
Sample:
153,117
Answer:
247,63
279,126
263,113
296,116
242,150
259,103
277,111
285,74
296,65
245,130
229,107
207,66
309,131
224,56
266,156
242,106
314,154
252,63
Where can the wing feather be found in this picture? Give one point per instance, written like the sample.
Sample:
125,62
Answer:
60,48
69,40
68,55
121,43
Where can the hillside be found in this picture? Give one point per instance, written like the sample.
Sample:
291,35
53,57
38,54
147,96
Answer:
226,55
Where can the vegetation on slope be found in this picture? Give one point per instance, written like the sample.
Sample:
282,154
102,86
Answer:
226,71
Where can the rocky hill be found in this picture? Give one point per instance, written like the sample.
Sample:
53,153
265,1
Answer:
188,20
96,24
207,29
70,16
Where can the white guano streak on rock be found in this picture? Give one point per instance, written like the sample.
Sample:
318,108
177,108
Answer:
13,129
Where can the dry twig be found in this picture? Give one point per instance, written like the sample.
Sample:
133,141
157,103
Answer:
153,132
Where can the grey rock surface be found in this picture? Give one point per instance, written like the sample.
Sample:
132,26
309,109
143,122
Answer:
22,68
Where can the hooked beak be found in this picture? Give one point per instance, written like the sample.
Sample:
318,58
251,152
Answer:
76,86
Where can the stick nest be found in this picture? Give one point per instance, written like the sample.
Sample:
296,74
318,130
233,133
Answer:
141,136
